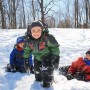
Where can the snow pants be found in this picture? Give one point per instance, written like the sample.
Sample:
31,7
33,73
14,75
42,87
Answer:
43,70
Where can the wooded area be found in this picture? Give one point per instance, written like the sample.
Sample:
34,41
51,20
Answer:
19,13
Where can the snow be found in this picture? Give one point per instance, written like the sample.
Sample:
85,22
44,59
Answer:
73,44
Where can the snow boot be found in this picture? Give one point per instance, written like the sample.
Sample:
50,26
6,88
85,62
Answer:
8,68
63,70
38,76
47,84
37,70
31,69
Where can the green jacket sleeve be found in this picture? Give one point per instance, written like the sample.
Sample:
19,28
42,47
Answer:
53,45
27,52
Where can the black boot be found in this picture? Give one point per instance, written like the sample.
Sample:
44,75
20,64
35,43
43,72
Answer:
31,69
8,68
47,78
38,76
37,70
47,84
47,71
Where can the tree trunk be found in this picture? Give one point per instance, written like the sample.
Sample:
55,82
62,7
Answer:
76,13
2,15
24,20
42,9
33,13
86,13
14,15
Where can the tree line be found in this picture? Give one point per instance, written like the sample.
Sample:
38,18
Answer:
56,13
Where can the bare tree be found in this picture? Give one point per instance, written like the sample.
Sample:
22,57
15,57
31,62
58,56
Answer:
51,21
2,14
33,8
45,9
67,14
14,13
24,20
19,13
87,12
76,13
32,12
42,9
11,12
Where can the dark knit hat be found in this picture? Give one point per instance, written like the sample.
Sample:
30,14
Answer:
88,52
20,39
36,23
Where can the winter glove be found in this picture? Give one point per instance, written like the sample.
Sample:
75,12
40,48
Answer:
69,76
80,76
13,69
63,70
51,60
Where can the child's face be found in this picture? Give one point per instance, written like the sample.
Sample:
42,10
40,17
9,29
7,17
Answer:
21,44
87,56
36,32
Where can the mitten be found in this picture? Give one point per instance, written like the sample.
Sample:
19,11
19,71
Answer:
80,76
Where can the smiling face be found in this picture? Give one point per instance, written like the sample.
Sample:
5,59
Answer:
36,32
21,44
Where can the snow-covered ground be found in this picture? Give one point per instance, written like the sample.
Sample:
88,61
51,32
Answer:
73,43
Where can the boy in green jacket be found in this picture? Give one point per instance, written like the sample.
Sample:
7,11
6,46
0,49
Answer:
45,49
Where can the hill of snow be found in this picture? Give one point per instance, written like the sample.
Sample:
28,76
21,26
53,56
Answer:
73,43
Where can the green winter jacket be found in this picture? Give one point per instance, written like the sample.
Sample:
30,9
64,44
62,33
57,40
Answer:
43,46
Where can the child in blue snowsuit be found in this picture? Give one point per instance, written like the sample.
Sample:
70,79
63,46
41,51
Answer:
17,62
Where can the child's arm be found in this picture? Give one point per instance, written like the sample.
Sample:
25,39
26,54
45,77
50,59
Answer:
12,57
54,50
27,52
77,66
53,45
71,71
73,68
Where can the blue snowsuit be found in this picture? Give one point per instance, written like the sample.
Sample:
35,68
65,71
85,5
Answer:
16,58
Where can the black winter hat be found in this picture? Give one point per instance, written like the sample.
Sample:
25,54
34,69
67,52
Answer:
88,52
36,23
